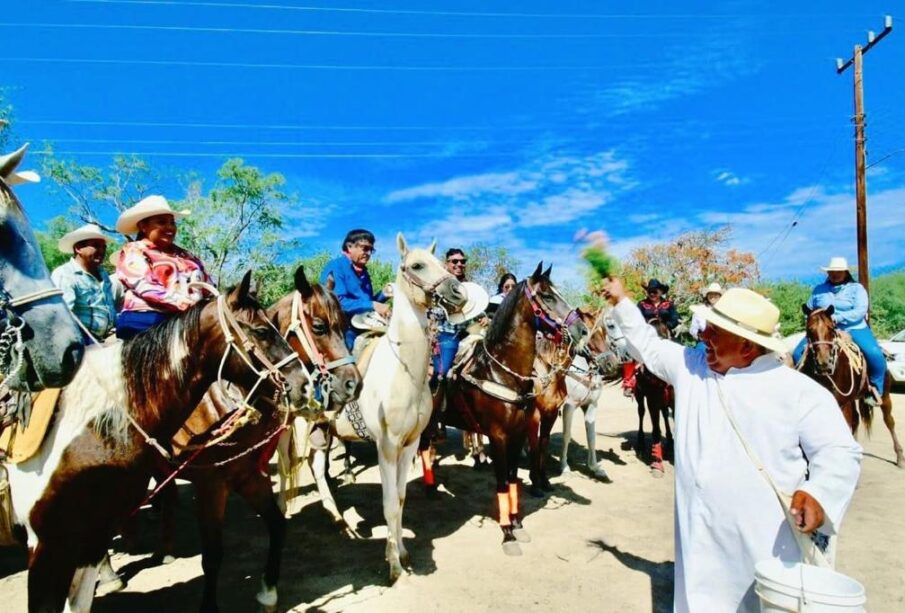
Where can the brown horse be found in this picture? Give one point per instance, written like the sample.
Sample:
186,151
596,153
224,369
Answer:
826,361
311,320
93,469
494,392
657,395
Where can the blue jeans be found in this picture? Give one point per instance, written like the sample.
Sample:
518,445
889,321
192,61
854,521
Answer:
449,345
873,354
132,323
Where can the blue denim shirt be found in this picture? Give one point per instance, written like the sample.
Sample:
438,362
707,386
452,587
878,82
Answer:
849,301
353,289
92,301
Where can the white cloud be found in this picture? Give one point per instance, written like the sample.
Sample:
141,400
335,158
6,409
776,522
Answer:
727,178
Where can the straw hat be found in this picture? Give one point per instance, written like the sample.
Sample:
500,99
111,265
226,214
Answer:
23,176
836,264
85,233
369,320
714,288
147,207
746,314
475,303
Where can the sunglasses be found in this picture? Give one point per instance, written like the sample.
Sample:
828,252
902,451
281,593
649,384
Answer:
366,248
462,262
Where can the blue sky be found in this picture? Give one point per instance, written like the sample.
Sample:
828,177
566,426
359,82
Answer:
511,123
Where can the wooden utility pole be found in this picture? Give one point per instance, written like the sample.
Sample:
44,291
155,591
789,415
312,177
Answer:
860,155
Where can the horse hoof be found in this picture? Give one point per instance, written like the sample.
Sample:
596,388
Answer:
656,470
521,535
901,463
565,471
536,491
267,597
601,475
395,572
405,559
111,585
512,548
164,559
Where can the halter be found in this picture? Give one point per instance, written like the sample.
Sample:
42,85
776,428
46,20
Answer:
12,347
298,325
414,280
545,319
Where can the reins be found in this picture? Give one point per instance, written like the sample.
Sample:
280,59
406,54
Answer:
12,345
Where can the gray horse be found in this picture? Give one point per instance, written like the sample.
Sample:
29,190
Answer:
40,343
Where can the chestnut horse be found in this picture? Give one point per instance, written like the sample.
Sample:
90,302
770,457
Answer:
494,391
93,468
658,396
40,343
826,362
312,322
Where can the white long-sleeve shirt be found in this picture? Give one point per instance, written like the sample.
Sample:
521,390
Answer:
727,516
697,325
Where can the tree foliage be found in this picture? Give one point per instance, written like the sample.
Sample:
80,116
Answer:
487,263
6,119
788,296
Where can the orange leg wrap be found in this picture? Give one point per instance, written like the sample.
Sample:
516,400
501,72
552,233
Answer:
503,502
513,498
428,467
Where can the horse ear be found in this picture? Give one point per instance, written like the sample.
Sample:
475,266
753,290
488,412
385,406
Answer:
301,283
9,162
401,244
538,272
830,310
433,247
805,309
243,294
331,281
548,271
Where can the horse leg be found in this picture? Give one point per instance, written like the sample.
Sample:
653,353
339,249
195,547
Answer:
890,422
590,428
348,475
50,575
388,456
498,450
568,410
518,530
656,451
169,500
258,493
402,469
534,448
546,427
210,501
639,440
317,462
81,591
108,579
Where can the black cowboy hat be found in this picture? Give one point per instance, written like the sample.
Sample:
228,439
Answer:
655,284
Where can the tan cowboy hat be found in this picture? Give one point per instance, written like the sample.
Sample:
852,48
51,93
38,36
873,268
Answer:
475,303
370,320
23,176
837,263
714,288
85,233
147,207
746,314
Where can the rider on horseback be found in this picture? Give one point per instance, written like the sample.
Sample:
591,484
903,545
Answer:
850,303
656,306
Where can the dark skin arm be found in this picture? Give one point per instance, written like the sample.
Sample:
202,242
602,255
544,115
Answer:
807,512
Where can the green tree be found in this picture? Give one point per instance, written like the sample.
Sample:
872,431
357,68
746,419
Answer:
788,296
6,119
487,263
48,239
888,304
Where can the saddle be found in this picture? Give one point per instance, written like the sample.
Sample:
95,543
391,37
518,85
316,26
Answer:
855,356
26,420
363,349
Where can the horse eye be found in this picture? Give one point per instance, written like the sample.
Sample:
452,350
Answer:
417,266
319,327
261,333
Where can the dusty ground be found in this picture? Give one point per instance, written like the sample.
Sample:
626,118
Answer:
595,546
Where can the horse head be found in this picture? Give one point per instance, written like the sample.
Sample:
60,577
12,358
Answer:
598,348
821,334
311,319
266,359
40,343
660,326
553,314
422,278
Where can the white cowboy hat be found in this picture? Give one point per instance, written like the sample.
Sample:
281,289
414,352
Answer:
475,303
836,264
747,314
23,176
147,207
714,288
85,233
370,320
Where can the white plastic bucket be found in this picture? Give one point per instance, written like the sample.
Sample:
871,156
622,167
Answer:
783,586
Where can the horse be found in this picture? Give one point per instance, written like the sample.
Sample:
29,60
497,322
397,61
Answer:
40,343
493,392
584,383
312,322
92,470
658,396
831,362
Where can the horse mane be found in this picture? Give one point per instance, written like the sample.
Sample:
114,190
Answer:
500,325
10,199
151,360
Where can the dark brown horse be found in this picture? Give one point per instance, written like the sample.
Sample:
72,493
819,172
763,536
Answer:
311,320
93,469
494,393
657,396
827,361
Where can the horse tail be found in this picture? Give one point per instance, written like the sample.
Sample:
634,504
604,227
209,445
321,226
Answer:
866,410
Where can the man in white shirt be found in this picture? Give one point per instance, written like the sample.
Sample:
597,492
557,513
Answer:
728,517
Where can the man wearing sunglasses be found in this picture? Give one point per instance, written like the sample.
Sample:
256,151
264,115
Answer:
347,276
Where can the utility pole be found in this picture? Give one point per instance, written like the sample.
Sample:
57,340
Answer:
860,162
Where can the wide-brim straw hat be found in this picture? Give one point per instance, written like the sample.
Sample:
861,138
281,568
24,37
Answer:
714,288
475,303
147,207
836,264
23,176
370,320
746,314
85,233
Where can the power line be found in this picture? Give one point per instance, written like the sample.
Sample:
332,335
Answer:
436,13
250,154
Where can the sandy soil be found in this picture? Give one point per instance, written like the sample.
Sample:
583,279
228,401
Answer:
595,546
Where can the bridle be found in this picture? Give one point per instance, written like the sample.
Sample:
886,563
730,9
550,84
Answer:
546,322
834,349
429,288
12,346
298,325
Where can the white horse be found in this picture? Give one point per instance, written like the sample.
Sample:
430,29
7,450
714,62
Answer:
584,384
395,402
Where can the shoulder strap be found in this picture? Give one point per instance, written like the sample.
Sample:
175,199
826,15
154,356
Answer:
810,554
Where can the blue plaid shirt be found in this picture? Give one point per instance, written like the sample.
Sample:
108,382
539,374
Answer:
92,301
